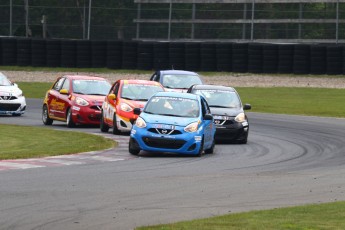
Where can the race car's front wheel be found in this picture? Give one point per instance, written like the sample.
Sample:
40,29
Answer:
210,150
115,129
104,127
133,147
45,116
69,119
201,149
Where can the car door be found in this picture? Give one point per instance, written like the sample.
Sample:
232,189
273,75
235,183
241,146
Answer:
208,124
64,99
55,105
109,107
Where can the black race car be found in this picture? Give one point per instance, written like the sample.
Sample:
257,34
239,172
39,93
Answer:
228,112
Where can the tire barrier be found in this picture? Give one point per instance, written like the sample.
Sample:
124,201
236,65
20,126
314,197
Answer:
301,59
23,52
270,58
176,55
38,52
193,56
240,57
224,57
161,55
208,57
145,56
53,52
334,60
318,64
83,54
114,54
9,51
285,58
129,55
255,58
99,54
68,53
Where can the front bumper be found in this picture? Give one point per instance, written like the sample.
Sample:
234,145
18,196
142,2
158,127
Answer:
86,115
183,143
13,107
234,132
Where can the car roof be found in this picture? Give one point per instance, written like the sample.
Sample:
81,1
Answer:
178,94
213,87
141,82
83,77
178,72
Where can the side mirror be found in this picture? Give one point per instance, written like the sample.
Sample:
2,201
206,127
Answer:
137,111
247,107
64,91
111,97
208,117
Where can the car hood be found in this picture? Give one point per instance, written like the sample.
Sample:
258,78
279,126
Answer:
176,90
134,104
95,99
7,90
232,112
159,119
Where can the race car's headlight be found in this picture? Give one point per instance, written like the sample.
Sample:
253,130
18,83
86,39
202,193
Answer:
125,107
81,102
241,118
192,127
140,123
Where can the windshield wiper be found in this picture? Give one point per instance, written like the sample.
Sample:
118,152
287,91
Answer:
141,99
127,98
169,115
99,94
221,106
79,93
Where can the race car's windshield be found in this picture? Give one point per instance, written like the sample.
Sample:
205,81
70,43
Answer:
220,98
4,81
91,87
180,81
173,106
139,92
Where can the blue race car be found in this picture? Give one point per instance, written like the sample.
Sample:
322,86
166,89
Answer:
174,122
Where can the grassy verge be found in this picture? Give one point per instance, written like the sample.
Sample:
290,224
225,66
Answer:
19,142
323,216
299,101
34,89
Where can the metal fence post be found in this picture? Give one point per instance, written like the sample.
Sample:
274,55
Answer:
252,23
26,18
138,23
169,26
89,20
337,24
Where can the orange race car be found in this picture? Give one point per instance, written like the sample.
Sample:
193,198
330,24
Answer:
75,99
124,96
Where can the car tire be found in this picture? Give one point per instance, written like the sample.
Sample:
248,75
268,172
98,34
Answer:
210,150
45,116
133,147
69,120
104,127
16,115
115,129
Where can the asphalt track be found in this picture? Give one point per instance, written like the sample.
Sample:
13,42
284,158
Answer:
289,160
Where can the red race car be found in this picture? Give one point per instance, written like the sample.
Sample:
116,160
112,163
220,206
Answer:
75,99
124,96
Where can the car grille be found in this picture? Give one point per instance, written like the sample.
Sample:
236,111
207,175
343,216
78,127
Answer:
8,98
223,122
9,107
96,107
95,117
165,131
163,143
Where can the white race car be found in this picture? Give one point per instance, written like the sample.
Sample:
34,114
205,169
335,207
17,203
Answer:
12,101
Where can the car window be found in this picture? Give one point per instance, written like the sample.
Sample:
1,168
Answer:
65,85
180,81
4,81
173,106
220,98
91,87
58,84
139,92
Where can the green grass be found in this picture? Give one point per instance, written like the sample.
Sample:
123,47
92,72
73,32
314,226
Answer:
324,216
34,89
300,101
18,142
